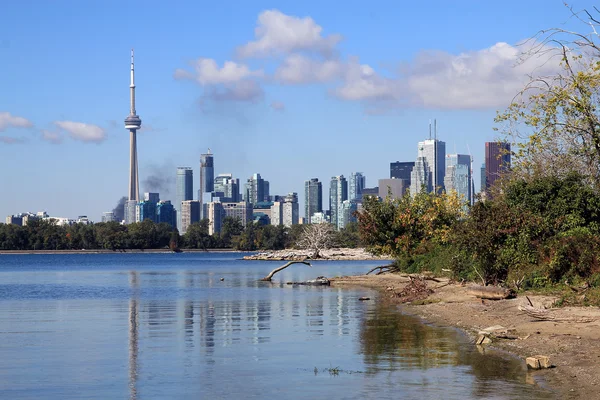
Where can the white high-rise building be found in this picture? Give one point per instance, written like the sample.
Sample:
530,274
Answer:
434,152
291,210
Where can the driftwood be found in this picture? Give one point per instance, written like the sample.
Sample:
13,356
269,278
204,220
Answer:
268,277
320,281
490,292
544,314
383,269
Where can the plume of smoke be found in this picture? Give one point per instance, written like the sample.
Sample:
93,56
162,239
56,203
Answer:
119,210
161,179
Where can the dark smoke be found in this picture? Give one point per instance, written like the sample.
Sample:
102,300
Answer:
119,210
161,179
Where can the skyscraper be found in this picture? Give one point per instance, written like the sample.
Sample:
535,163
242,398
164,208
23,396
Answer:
207,173
207,180
401,170
434,152
347,210
133,123
313,197
482,183
458,175
497,162
255,189
227,188
189,214
420,177
338,192
184,191
357,182
291,210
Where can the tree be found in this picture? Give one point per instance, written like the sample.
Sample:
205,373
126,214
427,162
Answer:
406,227
316,238
554,122
231,228
197,237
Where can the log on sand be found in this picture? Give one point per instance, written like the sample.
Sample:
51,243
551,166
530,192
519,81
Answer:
544,314
268,277
490,292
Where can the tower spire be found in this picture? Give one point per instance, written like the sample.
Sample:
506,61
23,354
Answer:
133,123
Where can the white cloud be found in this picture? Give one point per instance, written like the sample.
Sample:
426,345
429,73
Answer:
361,82
8,120
82,131
278,106
52,137
298,69
207,72
485,78
232,82
278,33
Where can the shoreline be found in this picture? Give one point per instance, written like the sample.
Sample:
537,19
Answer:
573,347
120,251
333,254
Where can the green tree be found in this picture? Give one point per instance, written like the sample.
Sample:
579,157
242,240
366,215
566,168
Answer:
197,237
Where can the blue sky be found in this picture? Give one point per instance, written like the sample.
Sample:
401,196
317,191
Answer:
292,90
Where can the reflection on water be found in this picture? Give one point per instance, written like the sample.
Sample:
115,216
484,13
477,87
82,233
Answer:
168,327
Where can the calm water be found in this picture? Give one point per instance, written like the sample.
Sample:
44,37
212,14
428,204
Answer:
158,326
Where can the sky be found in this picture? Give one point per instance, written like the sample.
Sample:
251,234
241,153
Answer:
291,90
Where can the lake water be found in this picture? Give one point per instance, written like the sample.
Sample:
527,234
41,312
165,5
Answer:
160,326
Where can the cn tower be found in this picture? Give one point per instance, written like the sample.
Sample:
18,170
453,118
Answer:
133,123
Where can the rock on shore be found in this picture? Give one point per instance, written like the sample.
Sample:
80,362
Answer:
329,254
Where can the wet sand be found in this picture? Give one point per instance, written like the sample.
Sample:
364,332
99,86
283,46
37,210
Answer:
573,347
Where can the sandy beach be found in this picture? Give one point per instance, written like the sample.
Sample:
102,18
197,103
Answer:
573,347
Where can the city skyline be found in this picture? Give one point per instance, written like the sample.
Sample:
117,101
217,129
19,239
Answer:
244,96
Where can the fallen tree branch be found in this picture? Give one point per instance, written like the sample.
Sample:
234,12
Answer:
268,277
387,268
546,315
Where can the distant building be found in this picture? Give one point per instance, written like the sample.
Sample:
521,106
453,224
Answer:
420,177
338,192
241,210
256,189
215,213
313,197
165,212
319,218
227,188
482,183
145,210
262,208
130,212
401,170
189,214
458,175
370,192
395,187
14,219
207,172
184,186
277,213
356,183
430,167
347,210
83,219
291,210
108,216
497,162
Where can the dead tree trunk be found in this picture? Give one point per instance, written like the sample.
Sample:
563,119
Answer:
268,277
490,292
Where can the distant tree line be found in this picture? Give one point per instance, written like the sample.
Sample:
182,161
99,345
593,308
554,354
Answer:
47,235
